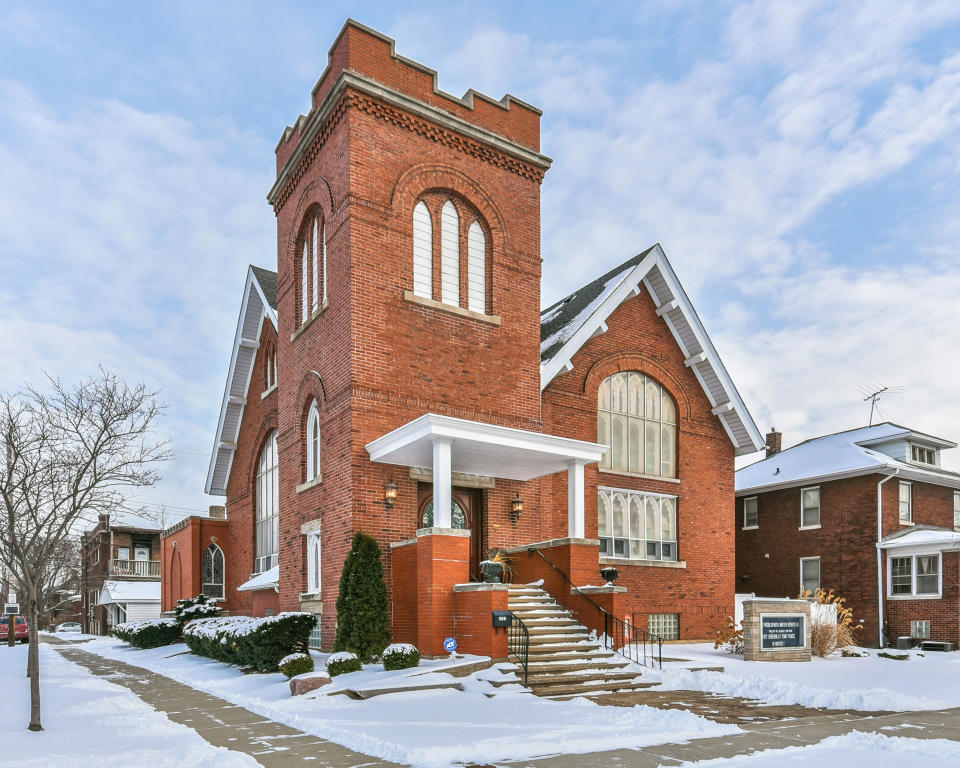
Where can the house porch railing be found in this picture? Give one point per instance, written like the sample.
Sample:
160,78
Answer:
147,569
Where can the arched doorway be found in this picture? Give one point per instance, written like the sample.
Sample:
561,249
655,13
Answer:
465,513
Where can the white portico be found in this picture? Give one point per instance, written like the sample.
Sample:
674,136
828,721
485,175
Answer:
449,445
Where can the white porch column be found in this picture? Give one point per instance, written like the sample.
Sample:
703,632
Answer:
575,493
442,497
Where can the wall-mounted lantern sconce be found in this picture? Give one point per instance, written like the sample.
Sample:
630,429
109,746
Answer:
389,493
516,507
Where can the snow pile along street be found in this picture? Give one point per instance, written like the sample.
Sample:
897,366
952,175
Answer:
871,683
90,722
857,748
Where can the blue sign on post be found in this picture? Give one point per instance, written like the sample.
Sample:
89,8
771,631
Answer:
450,644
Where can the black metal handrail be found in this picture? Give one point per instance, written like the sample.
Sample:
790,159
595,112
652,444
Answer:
628,640
518,644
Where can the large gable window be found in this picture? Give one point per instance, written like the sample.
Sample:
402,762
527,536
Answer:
638,420
213,572
456,251
267,491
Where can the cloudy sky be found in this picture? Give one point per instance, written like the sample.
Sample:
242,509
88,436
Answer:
798,161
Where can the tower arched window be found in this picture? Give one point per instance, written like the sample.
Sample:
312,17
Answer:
458,250
637,418
422,251
313,267
267,492
213,570
313,443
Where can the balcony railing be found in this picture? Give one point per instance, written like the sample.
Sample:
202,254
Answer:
147,569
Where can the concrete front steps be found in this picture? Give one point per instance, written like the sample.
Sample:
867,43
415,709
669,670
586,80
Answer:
563,661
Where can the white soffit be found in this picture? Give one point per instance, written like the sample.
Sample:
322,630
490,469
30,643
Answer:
482,449
655,274
253,310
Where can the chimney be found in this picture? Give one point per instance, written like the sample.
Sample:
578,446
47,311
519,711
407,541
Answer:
774,442
217,512
105,519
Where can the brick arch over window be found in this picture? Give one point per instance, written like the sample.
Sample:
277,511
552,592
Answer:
310,255
632,362
473,204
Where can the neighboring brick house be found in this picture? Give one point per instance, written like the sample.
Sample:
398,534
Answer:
399,356
861,512
119,575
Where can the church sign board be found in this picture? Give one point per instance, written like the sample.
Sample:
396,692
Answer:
782,631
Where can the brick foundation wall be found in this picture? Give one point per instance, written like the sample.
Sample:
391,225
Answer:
442,562
473,619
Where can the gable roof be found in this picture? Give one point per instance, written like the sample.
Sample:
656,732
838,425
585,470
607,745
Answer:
570,323
842,454
259,303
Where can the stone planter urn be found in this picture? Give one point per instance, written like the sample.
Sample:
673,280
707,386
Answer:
610,574
491,571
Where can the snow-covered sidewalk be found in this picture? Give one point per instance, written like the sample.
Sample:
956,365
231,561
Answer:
433,729
89,721
869,683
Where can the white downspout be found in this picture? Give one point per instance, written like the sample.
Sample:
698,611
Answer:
895,472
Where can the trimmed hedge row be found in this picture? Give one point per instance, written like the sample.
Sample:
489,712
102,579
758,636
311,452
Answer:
149,633
259,644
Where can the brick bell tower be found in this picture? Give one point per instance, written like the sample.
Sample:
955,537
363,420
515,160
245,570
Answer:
408,242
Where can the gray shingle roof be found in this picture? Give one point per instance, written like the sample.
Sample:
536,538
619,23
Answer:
268,284
560,320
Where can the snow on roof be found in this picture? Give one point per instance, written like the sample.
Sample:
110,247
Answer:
264,580
939,538
842,454
130,592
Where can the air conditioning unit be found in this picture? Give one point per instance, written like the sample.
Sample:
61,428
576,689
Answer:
920,630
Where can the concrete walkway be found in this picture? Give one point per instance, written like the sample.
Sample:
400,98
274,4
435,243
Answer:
221,723
943,724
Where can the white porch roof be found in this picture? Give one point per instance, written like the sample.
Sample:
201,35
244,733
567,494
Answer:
130,592
482,449
265,580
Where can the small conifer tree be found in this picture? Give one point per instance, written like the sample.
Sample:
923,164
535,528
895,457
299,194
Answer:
362,621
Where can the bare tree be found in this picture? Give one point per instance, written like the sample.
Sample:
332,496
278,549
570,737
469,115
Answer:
68,453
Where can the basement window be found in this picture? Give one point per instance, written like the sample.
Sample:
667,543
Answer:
920,630
666,625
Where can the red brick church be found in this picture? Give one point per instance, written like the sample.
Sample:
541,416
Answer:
396,375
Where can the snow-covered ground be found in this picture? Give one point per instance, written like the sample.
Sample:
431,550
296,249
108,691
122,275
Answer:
90,721
857,748
872,683
427,728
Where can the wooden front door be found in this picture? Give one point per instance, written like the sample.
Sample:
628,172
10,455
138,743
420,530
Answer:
466,513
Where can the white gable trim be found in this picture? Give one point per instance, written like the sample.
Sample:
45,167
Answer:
656,275
253,311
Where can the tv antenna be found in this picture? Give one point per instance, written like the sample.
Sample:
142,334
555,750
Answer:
873,394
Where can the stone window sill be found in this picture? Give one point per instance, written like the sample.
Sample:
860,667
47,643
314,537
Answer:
309,484
749,527
906,522
268,391
808,527
914,597
452,309
309,321
658,478
309,596
643,563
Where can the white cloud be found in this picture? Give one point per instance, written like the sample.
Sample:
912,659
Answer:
124,237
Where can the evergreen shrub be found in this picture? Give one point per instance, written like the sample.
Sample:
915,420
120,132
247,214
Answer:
149,633
342,662
363,625
199,607
251,643
296,664
401,656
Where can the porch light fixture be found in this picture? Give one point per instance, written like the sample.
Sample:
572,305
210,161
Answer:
389,493
516,507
